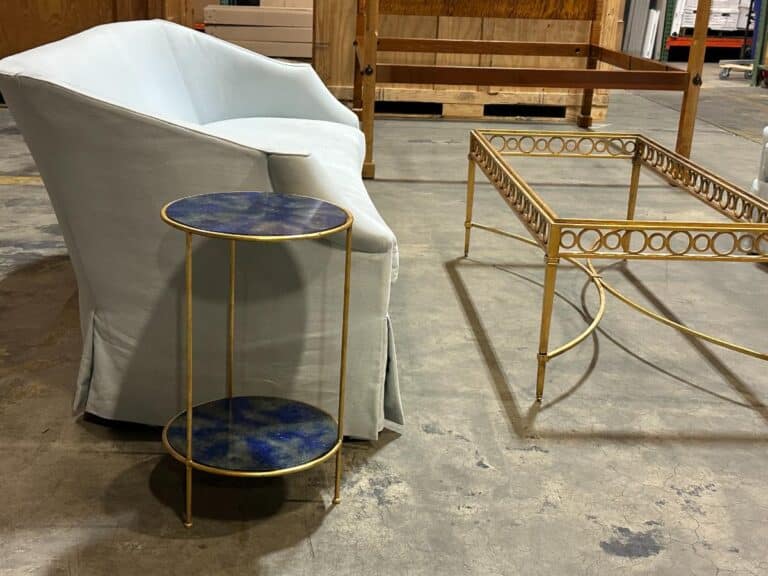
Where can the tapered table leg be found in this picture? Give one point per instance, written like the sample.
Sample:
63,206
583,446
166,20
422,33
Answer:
343,368
470,204
550,279
188,491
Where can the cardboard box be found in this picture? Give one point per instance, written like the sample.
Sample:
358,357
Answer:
717,5
258,16
720,19
278,49
260,33
287,4
743,15
724,19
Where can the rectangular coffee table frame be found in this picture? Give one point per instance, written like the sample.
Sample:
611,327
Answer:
579,241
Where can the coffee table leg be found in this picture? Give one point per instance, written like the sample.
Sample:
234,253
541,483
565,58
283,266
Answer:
632,202
470,204
550,278
343,368
188,514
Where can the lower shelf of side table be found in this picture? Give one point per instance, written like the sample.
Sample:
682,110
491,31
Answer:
254,436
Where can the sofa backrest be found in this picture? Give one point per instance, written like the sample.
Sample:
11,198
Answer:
130,64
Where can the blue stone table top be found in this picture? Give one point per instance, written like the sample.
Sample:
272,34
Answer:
254,433
258,214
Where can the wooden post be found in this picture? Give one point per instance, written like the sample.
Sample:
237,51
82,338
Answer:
357,81
695,65
584,119
370,56
758,50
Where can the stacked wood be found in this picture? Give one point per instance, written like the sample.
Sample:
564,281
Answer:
278,28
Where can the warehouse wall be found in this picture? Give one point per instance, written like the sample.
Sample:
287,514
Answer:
28,23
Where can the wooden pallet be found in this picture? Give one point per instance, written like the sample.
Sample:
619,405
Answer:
484,104
490,112
334,55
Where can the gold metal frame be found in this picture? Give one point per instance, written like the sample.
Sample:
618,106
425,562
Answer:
743,239
187,459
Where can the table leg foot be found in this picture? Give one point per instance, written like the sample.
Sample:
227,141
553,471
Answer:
337,487
188,497
584,121
540,377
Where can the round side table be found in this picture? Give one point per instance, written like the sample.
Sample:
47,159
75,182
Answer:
254,436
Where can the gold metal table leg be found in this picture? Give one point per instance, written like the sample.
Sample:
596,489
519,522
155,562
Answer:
470,204
343,368
633,186
550,278
632,202
231,316
188,514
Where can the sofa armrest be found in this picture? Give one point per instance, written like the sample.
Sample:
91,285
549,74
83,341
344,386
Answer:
227,81
306,176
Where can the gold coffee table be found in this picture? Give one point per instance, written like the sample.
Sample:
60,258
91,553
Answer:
579,241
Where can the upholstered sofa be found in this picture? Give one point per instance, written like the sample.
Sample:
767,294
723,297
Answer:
125,117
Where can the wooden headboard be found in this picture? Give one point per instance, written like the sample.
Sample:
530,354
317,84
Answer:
534,9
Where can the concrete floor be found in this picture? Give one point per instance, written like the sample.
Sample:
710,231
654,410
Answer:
732,104
648,455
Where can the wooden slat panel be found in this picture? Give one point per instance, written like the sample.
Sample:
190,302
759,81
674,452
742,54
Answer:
452,31
131,10
547,9
452,46
417,26
155,8
543,77
532,31
613,24
629,62
334,32
25,25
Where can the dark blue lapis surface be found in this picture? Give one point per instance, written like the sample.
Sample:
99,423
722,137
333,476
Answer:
254,433
256,214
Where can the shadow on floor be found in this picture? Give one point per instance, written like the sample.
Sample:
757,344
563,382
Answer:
522,423
39,328
38,316
223,505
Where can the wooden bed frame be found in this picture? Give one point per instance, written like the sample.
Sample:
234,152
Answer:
629,72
